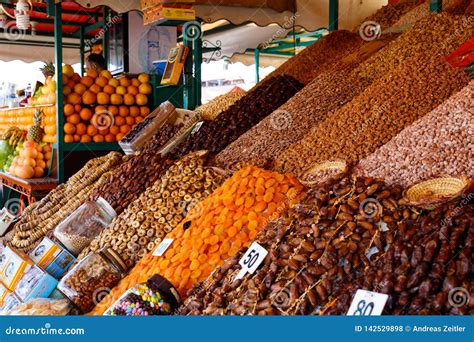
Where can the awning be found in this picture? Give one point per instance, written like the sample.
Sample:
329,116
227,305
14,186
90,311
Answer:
310,14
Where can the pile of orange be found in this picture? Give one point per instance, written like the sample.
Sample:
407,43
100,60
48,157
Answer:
215,230
100,108
32,162
22,118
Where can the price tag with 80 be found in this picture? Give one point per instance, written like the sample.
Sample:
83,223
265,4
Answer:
251,259
367,303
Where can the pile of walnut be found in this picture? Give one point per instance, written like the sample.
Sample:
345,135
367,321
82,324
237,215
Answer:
142,226
315,248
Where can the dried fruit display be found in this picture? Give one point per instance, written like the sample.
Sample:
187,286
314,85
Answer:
142,226
427,271
211,110
322,56
133,177
315,248
289,123
441,143
368,121
389,14
216,135
215,230
45,215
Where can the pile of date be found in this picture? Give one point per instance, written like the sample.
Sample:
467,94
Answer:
348,234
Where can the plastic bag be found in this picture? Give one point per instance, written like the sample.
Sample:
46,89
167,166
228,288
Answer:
463,56
41,307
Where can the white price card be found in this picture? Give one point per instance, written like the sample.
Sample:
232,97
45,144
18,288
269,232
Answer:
367,303
251,259
162,247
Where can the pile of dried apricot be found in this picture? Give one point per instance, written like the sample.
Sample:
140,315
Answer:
215,230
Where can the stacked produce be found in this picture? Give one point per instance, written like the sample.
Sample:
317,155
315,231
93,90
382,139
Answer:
215,230
101,108
319,99
369,121
133,177
314,248
438,144
389,14
215,135
314,60
32,161
42,217
142,226
11,144
427,271
211,110
21,118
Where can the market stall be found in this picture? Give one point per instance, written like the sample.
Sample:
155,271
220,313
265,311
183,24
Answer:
337,179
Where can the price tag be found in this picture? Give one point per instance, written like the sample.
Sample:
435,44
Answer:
162,247
251,259
367,303
6,219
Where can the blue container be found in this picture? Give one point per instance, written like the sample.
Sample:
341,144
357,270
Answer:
160,66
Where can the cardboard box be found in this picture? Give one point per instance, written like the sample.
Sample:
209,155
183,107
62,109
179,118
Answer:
13,265
146,4
52,258
277,5
35,283
159,14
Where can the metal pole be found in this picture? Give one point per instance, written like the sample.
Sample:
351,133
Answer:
333,15
197,68
257,65
58,44
436,5
82,47
106,42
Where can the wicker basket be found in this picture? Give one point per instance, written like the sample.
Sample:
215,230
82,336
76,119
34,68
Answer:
434,192
338,166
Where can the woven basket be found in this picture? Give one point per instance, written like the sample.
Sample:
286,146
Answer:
340,166
434,192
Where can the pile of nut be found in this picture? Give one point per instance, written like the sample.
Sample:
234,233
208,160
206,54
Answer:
289,123
45,215
133,177
166,132
215,230
324,55
216,135
438,144
316,247
211,110
368,122
427,271
142,226
389,14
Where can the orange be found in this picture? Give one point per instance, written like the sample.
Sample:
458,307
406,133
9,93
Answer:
106,74
74,119
144,111
68,109
129,99
144,78
114,130
141,99
92,73
69,128
86,114
67,90
116,99
119,121
125,129
68,138
113,110
138,119
98,138
132,90
134,111
91,130
76,78
135,82
70,84
86,139
77,108
110,138
73,98
114,82
95,89
124,81
130,121
89,98
77,138
119,136
121,90
103,98
80,88
109,89
103,131
81,128
100,109
101,81
145,88
123,111
87,81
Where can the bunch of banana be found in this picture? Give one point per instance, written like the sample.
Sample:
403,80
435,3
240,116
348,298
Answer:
14,136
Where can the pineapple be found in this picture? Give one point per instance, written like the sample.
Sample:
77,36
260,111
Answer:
35,133
48,69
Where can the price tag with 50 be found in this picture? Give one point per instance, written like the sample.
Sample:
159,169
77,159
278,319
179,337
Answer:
251,259
367,303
